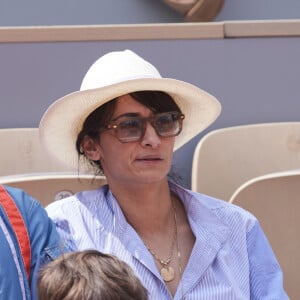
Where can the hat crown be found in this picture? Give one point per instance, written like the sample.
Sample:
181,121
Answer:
116,67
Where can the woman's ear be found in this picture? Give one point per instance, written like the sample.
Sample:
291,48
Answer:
91,148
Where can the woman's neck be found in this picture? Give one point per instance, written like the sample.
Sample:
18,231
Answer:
146,207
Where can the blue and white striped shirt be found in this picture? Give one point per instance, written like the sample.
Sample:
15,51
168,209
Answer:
231,258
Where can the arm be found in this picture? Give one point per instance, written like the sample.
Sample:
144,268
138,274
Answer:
44,241
265,274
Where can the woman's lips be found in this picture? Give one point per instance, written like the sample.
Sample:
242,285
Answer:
149,159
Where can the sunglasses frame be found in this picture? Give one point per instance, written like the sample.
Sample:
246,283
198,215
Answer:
113,125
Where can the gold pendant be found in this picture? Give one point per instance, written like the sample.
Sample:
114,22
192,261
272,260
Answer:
167,273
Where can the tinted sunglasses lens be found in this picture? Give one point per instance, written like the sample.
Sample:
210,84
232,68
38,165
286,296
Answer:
168,124
130,130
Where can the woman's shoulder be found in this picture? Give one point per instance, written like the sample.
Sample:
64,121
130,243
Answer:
228,213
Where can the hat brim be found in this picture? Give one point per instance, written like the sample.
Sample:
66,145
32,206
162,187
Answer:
63,120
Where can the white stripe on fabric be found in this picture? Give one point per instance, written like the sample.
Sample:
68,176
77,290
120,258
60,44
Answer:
10,242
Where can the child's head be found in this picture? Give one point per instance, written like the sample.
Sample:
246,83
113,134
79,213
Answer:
89,275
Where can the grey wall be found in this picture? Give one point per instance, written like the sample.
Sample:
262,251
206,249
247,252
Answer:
259,10
73,12
256,80
78,12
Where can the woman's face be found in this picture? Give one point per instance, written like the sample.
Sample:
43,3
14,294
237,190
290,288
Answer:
145,161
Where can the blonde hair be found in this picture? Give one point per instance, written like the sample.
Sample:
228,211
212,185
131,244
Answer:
89,275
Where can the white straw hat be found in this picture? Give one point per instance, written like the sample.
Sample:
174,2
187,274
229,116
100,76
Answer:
113,75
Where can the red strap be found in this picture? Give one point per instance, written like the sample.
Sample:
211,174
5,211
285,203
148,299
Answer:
18,226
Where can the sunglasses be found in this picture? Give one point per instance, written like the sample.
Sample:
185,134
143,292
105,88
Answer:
132,129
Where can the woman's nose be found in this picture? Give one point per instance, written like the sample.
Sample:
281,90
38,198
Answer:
151,138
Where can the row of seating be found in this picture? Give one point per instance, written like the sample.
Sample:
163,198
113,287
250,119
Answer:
258,168
226,158
254,166
26,165
49,187
275,200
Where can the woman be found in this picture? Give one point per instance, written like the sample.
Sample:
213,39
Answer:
126,121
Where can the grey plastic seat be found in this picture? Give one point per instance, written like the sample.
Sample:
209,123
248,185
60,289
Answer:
26,165
22,153
226,158
48,187
275,200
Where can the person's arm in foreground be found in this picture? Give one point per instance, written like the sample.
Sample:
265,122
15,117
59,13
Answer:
44,241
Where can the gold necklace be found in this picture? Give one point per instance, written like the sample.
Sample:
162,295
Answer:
178,252
167,272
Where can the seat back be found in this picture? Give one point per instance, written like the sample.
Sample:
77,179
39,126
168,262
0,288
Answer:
22,153
226,158
47,187
275,200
